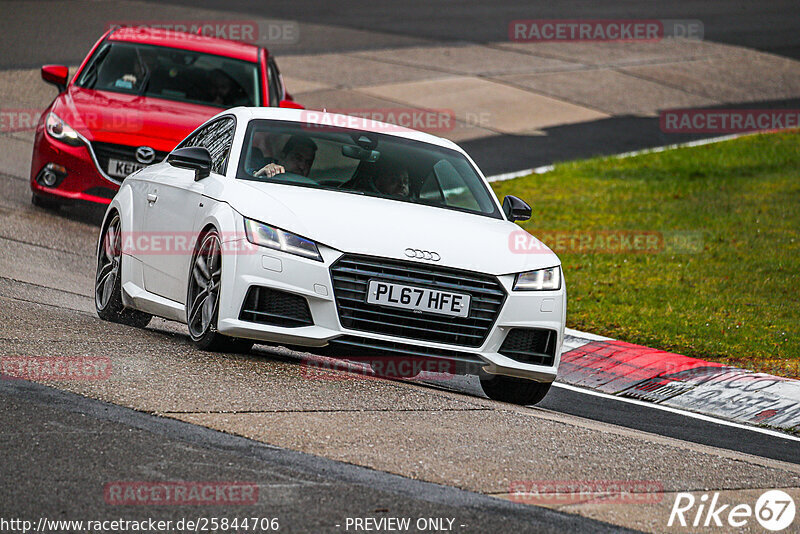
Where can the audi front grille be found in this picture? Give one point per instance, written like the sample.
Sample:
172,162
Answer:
351,275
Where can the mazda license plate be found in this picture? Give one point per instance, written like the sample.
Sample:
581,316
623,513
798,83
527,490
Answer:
121,169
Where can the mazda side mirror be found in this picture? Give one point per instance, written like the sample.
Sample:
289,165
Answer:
516,209
57,75
196,158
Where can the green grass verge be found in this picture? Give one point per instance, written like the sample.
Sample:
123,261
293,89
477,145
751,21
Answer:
724,281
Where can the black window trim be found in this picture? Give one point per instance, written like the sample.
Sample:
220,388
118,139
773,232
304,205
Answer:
275,73
206,124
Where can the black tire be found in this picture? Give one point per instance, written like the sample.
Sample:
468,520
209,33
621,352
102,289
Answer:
108,279
513,390
202,298
45,203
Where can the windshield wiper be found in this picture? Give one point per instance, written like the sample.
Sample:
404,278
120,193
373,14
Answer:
147,72
145,83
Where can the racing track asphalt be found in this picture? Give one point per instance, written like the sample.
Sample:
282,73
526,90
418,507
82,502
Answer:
61,449
28,39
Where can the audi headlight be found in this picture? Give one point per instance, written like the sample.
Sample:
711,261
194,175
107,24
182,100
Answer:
271,237
540,280
58,129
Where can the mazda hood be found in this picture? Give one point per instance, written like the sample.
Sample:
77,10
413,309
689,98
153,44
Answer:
130,119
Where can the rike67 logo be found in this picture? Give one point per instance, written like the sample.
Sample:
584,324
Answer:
774,510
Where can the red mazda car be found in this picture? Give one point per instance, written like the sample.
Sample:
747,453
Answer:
136,95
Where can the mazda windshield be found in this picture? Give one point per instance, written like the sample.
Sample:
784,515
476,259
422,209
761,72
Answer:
172,74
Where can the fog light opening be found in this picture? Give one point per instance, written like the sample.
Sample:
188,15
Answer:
51,175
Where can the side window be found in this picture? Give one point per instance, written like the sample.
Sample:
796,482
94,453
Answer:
430,190
456,192
217,137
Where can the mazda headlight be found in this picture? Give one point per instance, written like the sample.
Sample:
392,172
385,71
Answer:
60,130
540,280
271,237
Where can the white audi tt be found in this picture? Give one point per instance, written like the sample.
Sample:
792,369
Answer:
311,229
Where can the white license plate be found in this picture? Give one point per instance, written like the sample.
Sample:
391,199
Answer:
120,168
418,298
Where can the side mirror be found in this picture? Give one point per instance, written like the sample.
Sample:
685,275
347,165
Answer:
290,104
516,209
196,158
57,75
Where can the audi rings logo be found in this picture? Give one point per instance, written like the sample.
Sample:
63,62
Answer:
422,254
145,154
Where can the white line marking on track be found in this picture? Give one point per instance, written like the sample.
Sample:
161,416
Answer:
678,411
586,335
547,168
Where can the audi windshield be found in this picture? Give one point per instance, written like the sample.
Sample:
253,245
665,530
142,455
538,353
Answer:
361,162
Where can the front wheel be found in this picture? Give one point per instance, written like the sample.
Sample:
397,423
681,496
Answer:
202,299
108,280
512,389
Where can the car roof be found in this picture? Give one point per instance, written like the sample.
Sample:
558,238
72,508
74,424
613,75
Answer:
337,120
186,41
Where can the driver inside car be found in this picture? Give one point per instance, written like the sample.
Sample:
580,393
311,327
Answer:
296,157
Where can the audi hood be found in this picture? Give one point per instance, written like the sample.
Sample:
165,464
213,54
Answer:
387,228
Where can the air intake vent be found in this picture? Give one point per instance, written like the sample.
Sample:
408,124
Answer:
269,306
530,345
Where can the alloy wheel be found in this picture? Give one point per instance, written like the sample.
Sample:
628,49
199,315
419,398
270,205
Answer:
108,263
204,286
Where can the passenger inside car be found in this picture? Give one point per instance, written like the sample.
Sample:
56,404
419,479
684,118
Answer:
391,178
224,90
123,70
385,177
